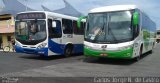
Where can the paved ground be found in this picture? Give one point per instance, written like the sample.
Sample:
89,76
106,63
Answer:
23,65
16,62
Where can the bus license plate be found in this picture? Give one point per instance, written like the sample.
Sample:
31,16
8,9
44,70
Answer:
103,54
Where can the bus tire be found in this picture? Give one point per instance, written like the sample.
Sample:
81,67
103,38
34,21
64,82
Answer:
68,51
140,53
151,51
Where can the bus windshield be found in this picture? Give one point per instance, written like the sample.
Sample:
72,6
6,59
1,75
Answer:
109,27
30,31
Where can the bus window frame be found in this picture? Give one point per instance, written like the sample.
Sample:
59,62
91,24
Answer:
51,31
70,26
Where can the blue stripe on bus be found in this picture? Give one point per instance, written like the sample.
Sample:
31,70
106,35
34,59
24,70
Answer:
78,48
59,48
55,47
42,51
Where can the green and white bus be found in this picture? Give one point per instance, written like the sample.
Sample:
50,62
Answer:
119,31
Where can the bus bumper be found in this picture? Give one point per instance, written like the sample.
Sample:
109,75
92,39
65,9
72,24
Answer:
122,54
42,51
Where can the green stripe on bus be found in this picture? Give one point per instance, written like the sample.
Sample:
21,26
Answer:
127,53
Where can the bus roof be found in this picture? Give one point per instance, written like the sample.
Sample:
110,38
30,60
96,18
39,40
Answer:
53,14
113,8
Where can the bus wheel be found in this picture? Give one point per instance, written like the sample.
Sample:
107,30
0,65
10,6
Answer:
139,56
68,51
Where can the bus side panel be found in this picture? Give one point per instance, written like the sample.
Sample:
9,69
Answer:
56,47
76,41
149,33
78,48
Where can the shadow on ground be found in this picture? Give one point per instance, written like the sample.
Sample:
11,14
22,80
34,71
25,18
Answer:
55,57
115,61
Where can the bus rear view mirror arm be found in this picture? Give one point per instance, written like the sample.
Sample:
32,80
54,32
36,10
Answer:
79,20
135,18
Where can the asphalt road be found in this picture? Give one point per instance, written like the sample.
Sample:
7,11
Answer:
24,65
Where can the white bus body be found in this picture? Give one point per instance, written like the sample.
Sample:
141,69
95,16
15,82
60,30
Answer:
53,34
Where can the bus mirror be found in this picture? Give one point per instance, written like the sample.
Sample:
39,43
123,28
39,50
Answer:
135,18
54,25
79,20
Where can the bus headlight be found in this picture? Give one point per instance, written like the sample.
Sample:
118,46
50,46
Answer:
88,47
126,47
42,45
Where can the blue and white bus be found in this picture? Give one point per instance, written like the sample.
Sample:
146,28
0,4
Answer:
47,33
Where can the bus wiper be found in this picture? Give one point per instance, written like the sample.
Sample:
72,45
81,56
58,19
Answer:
115,39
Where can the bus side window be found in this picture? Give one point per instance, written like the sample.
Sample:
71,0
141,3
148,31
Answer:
67,26
82,28
78,31
57,31
75,28
54,32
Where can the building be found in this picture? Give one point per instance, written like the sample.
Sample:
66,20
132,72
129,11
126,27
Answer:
12,7
6,29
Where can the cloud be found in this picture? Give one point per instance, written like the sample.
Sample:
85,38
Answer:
151,7
50,4
1,5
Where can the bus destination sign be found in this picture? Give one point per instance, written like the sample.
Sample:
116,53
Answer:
30,16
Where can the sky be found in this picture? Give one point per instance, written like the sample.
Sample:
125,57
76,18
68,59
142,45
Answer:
150,7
